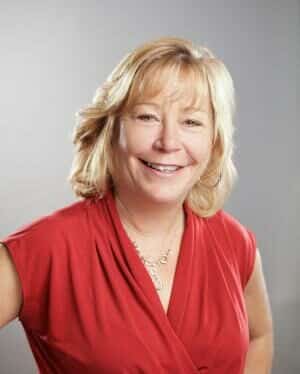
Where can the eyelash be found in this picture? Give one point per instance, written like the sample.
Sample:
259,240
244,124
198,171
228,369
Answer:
150,116
195,123
142,117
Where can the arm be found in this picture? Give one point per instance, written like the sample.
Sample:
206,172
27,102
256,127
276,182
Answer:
10,288
260,353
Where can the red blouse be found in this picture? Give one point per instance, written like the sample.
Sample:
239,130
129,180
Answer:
89,305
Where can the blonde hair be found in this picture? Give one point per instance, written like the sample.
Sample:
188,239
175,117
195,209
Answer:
141,71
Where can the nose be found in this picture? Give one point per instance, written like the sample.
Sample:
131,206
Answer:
169,138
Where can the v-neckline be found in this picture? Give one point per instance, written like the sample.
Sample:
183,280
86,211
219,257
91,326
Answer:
183,269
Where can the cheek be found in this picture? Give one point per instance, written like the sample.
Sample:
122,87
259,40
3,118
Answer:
200,151
134,141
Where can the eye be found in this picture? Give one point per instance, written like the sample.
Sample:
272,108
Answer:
146,117
193,123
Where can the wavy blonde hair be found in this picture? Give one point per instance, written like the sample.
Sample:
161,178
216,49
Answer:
144,72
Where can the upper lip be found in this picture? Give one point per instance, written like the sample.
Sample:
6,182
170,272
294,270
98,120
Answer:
162,163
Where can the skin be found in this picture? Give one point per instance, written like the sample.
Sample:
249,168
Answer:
161,130
167,136
261,348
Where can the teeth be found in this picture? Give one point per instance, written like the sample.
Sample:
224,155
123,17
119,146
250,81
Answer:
163,168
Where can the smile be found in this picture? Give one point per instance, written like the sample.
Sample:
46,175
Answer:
162,168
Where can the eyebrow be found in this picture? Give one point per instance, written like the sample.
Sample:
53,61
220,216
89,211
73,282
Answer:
186,109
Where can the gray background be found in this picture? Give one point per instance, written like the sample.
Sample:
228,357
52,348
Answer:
54,56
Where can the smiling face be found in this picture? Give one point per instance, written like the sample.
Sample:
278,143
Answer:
164,144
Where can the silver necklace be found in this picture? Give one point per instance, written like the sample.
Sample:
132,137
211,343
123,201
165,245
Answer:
151,265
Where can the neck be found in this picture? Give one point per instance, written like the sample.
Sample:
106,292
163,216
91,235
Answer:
147,217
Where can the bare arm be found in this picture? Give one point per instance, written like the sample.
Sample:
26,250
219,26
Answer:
260,353
10,288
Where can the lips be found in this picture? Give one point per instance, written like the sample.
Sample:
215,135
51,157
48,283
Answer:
159,164
167,168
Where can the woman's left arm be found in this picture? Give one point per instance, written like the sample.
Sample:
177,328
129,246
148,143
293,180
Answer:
260,354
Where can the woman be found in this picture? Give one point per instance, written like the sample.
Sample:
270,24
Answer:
146,273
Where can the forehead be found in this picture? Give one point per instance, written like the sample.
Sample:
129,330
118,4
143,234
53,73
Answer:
186,85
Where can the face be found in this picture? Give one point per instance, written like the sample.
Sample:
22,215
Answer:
163,147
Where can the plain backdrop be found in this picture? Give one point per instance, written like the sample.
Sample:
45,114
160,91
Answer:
55,54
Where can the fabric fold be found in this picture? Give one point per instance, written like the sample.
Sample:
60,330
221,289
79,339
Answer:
90,305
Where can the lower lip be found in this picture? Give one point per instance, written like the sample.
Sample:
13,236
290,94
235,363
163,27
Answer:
161,173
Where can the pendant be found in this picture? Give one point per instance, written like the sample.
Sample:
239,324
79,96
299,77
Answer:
153,272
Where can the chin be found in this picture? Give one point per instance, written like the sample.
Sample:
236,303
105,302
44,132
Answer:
166,197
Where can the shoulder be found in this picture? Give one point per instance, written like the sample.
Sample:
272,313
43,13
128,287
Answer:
228,226
69,213
69,216
242,242
230,239
56,224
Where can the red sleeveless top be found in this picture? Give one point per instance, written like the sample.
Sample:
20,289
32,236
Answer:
89,304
